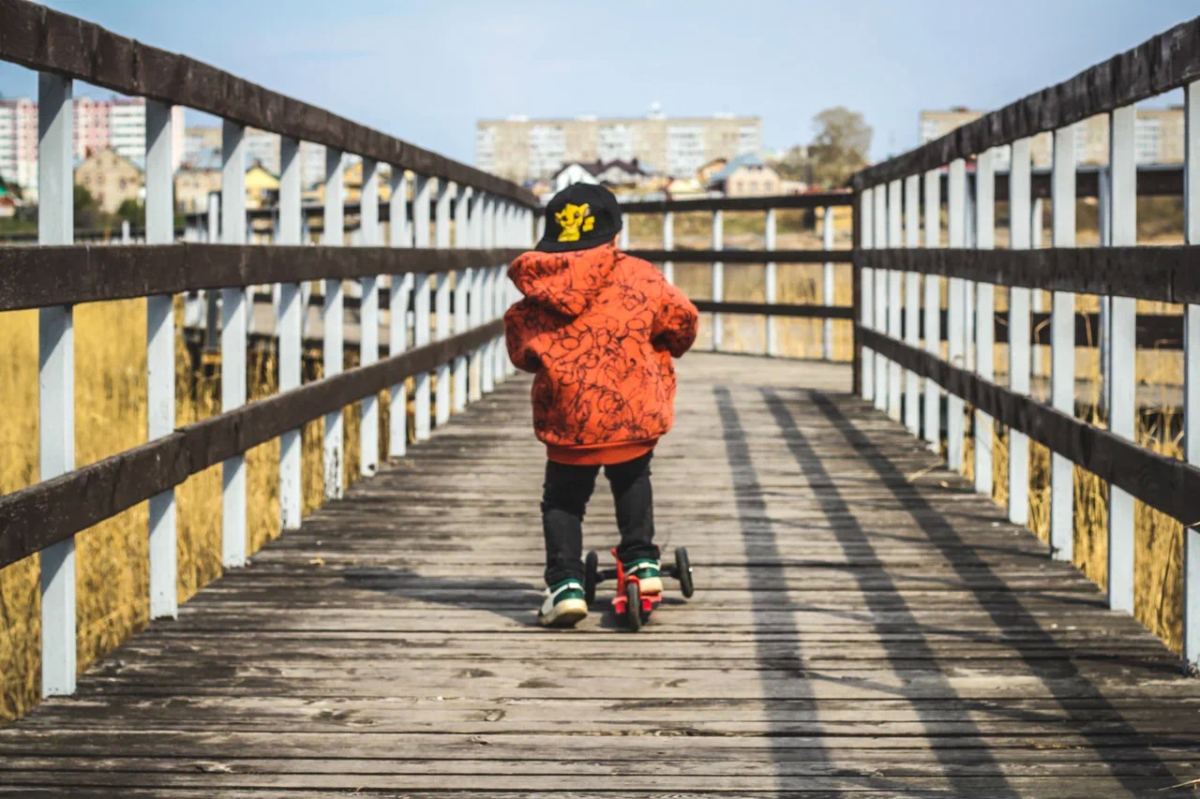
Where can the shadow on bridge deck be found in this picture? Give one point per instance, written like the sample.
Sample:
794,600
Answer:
863,623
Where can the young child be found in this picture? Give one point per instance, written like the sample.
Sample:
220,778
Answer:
599,329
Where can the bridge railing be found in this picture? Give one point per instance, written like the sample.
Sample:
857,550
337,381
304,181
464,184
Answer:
900,245
491,221
770,309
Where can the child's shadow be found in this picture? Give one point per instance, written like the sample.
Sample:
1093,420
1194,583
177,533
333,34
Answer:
509,599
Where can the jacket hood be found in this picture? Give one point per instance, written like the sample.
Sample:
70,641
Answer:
565,282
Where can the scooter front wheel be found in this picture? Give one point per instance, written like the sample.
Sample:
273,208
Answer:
633,605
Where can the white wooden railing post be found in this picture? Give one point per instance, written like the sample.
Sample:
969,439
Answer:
881,296
1121,371
1191,414
445,193
160,356
368,318
333,321
866,291
288,327
956,330
1019,188
895,306
969,285
477,317
420,214
233,342
933,308
56,378
1037,297
668,243
624,242
503,222
516,239
1062,349
399,235
912,303
718,277
985,313
212,303
488,305
462,287
827,284
771,281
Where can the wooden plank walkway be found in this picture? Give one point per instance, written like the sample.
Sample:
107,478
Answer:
863,624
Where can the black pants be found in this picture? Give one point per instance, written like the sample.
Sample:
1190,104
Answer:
564,500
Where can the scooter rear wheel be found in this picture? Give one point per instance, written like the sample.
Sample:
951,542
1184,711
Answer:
683,570
591,568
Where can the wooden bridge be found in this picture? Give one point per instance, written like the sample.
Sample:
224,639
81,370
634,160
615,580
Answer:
867,621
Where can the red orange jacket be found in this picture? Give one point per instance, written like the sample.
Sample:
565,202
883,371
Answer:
599,329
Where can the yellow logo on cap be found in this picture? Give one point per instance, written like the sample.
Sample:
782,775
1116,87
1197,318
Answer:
572,218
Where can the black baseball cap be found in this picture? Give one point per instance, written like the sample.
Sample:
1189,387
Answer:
580,217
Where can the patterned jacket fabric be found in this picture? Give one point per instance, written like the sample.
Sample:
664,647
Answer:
599,329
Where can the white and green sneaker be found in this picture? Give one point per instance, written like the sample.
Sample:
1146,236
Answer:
565,605
648,571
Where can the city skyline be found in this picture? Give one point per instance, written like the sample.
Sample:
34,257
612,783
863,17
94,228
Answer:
782,61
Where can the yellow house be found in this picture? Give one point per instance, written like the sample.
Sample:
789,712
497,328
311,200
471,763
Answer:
195,181
262,187
110,178
352,181
705,173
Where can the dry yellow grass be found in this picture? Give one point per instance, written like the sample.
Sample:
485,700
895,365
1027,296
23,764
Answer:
1158,548
112,570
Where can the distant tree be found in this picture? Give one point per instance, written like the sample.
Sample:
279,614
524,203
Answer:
87,209
795,164
840,146
132,211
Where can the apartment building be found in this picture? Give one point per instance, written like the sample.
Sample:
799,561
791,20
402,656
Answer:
525,150
117,124
1158,136
18,142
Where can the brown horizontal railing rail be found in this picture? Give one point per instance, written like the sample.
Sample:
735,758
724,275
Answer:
1164,483
779,201
36,277
39,38
746,256
1163,274
776,309
53,510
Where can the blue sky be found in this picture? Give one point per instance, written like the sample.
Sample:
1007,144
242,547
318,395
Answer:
426,71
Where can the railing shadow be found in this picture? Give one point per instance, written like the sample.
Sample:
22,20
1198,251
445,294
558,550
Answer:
756,523
1004,608
849,533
